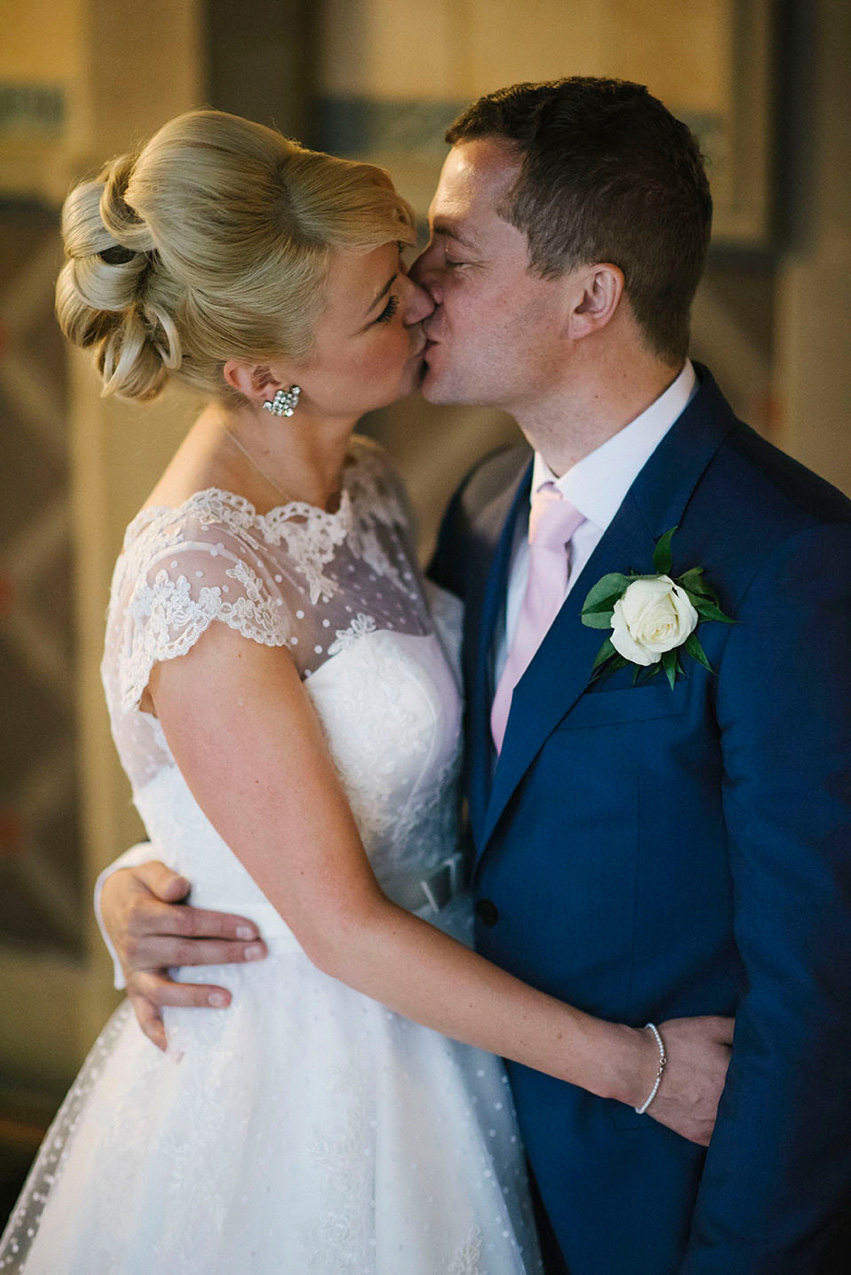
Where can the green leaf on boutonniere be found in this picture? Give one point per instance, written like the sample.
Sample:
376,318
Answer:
599,604
693,582
710,610
696,651
670,664
608,656
606,652
606,591
662,556
598,619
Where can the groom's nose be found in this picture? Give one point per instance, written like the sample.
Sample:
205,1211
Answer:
418,303
425,272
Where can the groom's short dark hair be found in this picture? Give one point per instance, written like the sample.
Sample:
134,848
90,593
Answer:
608,174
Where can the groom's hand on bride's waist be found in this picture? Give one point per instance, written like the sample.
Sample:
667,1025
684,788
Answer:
153,930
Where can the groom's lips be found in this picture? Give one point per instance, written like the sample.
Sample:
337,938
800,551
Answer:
424,363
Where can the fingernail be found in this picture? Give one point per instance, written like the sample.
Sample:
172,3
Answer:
244,932
217,999
254,952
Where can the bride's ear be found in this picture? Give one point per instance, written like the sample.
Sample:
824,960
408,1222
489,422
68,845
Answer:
255,381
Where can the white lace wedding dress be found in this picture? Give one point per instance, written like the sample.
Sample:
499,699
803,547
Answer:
306,1128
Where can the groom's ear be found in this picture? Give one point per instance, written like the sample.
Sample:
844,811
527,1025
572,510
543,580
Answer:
595,295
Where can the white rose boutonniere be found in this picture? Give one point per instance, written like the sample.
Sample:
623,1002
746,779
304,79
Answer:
652,618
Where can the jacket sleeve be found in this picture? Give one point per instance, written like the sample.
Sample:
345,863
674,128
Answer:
777,1180
455,555
445,568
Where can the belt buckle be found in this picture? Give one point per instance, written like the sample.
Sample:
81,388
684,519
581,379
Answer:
444,883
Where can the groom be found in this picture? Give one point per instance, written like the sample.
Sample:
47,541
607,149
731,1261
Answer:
650,846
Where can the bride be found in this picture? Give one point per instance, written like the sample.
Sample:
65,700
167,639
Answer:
290,722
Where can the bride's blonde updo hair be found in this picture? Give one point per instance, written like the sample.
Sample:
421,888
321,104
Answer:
212,243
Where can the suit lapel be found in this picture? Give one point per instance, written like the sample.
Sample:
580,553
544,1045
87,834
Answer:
500,520
561,668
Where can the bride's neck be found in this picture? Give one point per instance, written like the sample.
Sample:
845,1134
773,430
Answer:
299,457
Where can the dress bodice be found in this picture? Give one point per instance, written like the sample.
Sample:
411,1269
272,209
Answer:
343,593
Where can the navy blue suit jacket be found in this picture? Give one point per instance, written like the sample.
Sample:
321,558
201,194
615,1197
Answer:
651,853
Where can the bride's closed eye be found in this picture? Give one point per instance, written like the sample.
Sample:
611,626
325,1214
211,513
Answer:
389,310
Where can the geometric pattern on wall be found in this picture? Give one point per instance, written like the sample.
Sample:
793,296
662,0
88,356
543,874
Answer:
40,844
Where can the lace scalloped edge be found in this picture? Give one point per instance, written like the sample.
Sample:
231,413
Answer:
134,669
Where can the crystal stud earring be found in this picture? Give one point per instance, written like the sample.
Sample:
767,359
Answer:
284,403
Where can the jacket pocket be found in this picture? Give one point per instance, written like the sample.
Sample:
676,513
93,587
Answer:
628,704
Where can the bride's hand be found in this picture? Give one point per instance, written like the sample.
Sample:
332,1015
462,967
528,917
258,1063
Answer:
151,931
698,1052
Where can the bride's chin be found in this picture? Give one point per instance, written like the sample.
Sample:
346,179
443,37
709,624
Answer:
411,378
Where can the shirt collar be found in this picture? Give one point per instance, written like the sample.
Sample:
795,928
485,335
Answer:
597,484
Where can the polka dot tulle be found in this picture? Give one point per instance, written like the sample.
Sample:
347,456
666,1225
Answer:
306,1128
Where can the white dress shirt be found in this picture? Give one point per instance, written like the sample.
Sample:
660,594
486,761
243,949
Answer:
596,486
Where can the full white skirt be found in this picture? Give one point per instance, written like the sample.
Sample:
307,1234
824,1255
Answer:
304,1129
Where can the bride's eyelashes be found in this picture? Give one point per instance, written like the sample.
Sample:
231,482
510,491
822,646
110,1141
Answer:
389,310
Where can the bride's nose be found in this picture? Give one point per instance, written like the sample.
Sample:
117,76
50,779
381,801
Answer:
418,305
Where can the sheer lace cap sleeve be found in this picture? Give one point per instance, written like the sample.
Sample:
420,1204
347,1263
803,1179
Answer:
180,571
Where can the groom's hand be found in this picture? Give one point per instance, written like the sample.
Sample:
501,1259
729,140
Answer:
698,1052
152,930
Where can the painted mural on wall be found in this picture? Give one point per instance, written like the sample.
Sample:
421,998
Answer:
394,73
40,856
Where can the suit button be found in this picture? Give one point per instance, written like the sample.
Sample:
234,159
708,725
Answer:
487,912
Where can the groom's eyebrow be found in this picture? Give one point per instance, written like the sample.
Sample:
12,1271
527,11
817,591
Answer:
442,226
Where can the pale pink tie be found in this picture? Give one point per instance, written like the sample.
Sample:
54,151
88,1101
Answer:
552,522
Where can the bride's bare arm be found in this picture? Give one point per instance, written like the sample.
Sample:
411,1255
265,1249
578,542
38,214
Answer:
249,744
